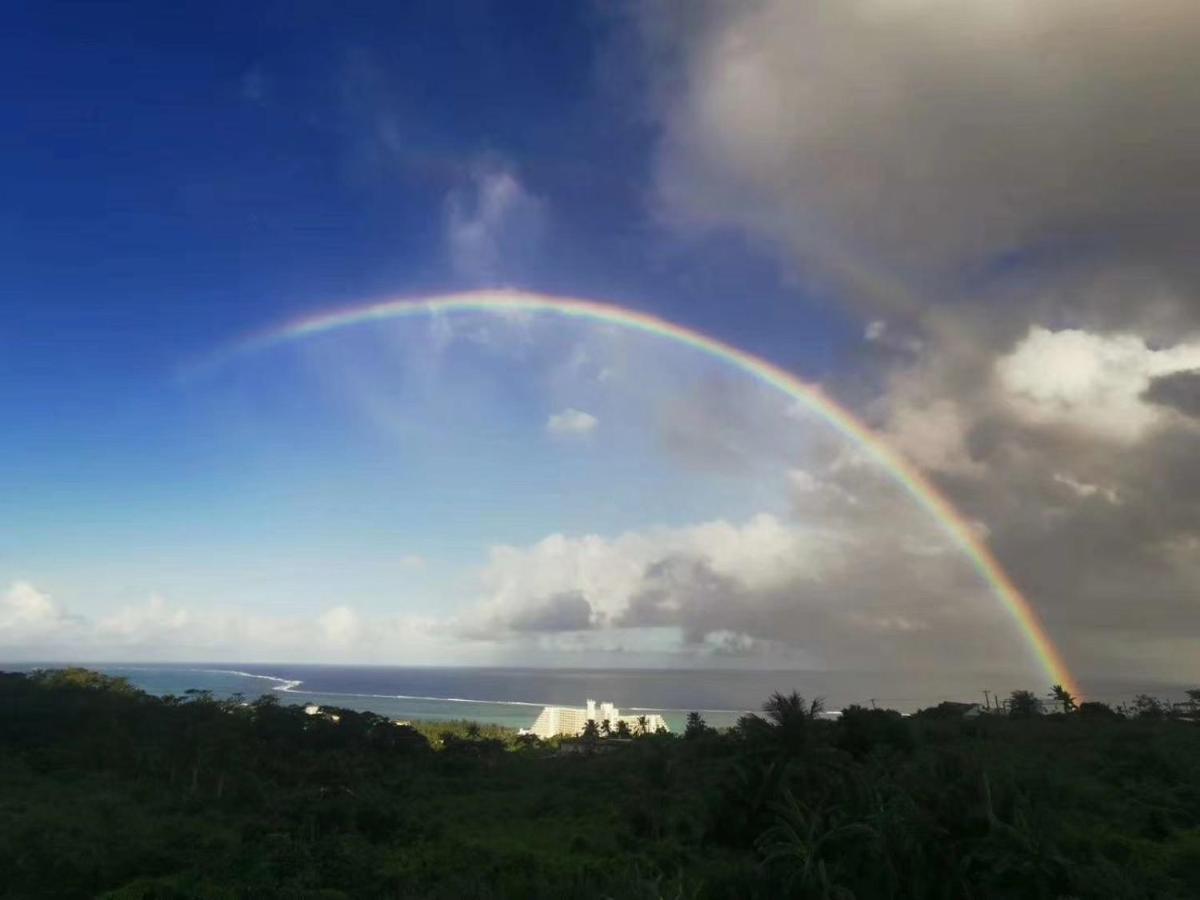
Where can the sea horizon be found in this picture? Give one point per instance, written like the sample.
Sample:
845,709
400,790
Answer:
513,695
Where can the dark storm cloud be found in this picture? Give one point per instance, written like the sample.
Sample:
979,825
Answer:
935,133
1179,390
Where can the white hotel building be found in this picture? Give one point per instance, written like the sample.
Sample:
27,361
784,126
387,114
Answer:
570,720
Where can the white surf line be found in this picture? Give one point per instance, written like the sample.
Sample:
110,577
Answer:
282,684
316,693
289,686
687,709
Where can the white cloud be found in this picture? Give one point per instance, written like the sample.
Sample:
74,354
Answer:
607,572
341,626
1085,489
862,587
1093,383
156,620
491,225
571,422
26,612
32,626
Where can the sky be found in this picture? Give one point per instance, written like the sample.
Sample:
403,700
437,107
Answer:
969,223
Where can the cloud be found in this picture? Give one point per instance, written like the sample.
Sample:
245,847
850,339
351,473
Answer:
568,611
155,621
492,224
571,422
341,625
929,134
27,613
1096,383
1179,390
859,578
33,626
1087,486
1010,211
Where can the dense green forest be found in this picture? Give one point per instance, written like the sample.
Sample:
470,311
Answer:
106,791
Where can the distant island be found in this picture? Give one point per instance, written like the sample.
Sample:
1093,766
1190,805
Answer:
107,791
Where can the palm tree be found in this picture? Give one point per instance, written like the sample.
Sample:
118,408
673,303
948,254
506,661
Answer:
591,731
606,728
1062,697
791,714
643,725
622,728
783,709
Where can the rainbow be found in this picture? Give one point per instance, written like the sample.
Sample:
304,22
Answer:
920,488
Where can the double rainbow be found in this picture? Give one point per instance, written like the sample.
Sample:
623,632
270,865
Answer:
926,495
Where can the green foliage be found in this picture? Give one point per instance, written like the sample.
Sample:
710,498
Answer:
1060,696
108,792
1023,704
695,726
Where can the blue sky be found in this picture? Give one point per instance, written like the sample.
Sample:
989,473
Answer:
176,177
185,176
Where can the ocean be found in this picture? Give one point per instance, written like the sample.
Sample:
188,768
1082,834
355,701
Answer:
514,696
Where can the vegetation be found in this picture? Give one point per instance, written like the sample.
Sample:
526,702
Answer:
108,792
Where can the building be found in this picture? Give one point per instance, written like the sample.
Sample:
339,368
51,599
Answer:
313,710
570,720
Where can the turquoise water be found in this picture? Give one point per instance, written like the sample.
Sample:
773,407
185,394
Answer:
413,694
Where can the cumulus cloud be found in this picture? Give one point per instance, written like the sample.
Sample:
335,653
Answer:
571,422
27,613
33,626
1097,383
568,611
854,577
492,224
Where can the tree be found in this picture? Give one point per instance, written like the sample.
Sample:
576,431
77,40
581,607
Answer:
643,725
591,731
1062,697
1147,707
1193,701
622,728
1023,705
606,728
1093,709
785,709
695,726
791,717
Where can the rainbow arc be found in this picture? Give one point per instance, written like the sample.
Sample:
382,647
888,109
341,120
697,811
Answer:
952,522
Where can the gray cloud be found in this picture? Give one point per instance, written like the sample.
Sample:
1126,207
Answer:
1009,187
1179,390
934,133
569,611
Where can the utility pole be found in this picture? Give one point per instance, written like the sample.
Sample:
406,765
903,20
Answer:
987,700
872,703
